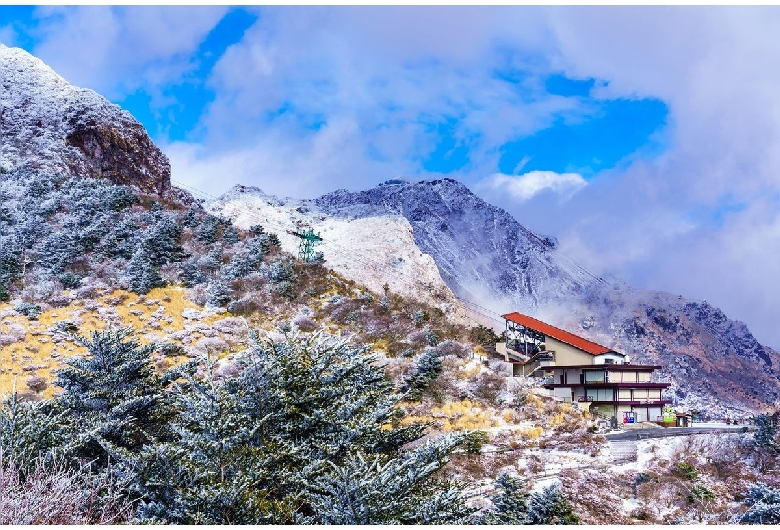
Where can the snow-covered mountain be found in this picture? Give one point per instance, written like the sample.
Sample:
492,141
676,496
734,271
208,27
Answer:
485,256
46,123
377,251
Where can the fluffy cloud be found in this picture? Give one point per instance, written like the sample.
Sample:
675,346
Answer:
524,187
117,49
660,223
395,75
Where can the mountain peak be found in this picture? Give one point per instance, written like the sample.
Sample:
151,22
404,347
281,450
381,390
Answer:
48,124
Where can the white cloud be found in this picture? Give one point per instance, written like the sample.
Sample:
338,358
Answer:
305,167
393,74
528,185
118,49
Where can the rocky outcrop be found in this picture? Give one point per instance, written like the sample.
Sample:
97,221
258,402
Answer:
48,124
483,253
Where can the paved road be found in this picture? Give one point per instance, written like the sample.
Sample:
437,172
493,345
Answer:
665,432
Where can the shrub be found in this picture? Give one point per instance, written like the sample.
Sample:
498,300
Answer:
36,383
54,494
474,442
30,310
304,323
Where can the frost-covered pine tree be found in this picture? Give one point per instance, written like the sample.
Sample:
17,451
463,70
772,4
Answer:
207,231
112,398
550,506
29,431
428,368
163,239
10,265
218,293
372,489
142,272
511,505
763,504
191,274
230,234
268,445
766,431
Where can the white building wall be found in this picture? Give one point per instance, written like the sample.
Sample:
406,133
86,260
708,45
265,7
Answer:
616,358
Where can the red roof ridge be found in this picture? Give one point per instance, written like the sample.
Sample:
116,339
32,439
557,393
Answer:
557,333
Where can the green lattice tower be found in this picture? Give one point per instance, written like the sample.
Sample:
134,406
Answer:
306,246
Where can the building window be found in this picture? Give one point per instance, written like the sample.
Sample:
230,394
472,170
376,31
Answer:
595,376
600,394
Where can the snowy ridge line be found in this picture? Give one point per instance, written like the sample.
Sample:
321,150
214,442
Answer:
254,217
340,249
470,306
273,225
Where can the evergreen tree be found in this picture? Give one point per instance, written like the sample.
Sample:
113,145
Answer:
163,239
427,369
766,431
112,397
230,234
763,504
29,431
270,444
218,293
207,231
374,490
211,262
190,218
10,262
550,506
191,274
511,505
142,272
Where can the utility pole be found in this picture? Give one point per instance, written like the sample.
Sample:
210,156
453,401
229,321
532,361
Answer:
306,247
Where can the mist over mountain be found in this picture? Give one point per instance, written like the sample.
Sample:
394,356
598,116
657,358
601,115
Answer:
487,257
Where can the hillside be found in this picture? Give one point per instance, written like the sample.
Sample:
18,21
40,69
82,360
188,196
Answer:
375,251
484,256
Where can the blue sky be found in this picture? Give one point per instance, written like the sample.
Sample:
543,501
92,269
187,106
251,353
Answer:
646,139
597,135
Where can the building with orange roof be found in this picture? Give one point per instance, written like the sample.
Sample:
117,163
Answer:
580,371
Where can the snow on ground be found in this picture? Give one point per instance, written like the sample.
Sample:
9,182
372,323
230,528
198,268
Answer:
371,251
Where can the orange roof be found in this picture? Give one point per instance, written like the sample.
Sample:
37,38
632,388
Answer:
557,333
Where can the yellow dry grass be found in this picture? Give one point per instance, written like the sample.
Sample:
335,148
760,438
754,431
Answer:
532,433
465,372
38,355
462,415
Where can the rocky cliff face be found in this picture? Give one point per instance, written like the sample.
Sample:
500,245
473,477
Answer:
48,124
485,256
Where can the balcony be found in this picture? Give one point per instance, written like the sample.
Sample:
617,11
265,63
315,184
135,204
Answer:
649,402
